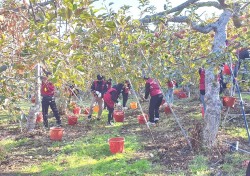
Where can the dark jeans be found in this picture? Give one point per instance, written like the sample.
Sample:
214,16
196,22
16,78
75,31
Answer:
154,105
124,99
46,102
110,115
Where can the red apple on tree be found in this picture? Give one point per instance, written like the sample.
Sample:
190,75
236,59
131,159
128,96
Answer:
244,29
157,34
235,36
178,35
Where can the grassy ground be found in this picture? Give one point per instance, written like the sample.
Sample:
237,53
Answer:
84,149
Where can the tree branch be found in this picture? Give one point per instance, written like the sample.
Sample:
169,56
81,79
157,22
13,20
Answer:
201,28
33,14
209,4
157,16
3,11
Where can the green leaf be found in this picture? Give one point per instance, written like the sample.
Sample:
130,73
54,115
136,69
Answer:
123,55
72,36
74,6
80,68
110,24
68,13
128,18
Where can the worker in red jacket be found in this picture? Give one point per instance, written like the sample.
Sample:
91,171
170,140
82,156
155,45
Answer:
111,98
48,99
125,92
109,83
152,88
202,86
98,88
170,93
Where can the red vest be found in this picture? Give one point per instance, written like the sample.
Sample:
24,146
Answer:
107,98
202,80
109,85
171,84
47,89
154,87
103,84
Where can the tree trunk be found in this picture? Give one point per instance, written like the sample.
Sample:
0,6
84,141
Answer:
212,99
38,84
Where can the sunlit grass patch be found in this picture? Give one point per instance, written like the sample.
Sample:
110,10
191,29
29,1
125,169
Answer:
199,166
245,97
4,118
237,132
232,163
91,155
195,115
8,144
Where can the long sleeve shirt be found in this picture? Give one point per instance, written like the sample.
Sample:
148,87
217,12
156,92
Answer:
100,86
147,90
47,89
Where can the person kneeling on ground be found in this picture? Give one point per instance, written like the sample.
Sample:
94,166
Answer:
110,98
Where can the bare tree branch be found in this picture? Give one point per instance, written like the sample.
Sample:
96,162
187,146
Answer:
33,14
244,6
209,4
157,16
222,3
201,28
181,6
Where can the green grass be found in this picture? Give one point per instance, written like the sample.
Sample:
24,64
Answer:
199,166
232,164
237,132
91,156
245,97
6,145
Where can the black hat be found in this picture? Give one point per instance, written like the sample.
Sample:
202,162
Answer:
47,73
99,77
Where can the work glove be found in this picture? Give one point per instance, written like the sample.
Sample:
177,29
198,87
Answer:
98,94
118,104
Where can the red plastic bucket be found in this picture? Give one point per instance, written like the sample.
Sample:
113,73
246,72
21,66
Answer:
118,116
116,145
56,133
229,101
182,95
77,110
39,117
86,111
226,70
72,120
167,110
141,119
